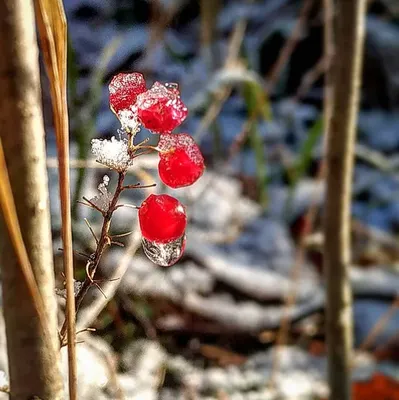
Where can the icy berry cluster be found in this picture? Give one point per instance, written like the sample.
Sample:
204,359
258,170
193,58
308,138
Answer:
159,109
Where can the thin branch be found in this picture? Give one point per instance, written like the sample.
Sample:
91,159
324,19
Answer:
139,186
340,157
92,205
310,215
127,205
380,325
91,230
103,243
290,45
89,314
121,235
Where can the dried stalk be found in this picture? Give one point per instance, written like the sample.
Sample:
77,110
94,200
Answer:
52,29
33,354
14,231
346,71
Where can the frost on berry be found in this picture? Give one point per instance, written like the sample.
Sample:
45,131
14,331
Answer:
181,162
162,218
160,109
124,89
164,254
103,200
112,153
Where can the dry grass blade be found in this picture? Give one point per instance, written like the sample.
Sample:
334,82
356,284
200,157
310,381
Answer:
53,35
11,220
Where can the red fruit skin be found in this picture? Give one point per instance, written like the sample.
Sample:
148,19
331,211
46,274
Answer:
162,218
124,89
160,109
181,163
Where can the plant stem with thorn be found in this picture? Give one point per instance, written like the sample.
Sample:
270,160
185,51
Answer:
102,244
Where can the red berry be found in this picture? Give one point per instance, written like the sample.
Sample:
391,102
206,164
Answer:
162,218
160,109
124,89
181,162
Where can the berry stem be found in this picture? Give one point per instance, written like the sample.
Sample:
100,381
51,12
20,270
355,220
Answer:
103,243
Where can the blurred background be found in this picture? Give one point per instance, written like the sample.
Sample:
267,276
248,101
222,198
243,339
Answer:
241,316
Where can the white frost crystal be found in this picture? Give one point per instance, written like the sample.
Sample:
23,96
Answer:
129,121
103,200
112,153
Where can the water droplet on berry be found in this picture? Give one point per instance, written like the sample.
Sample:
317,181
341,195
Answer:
173,87
164,254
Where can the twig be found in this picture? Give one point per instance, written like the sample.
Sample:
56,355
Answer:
311,214
310,77
290,45
340,158
139,186
89,314
380,326
103,243
223,94
91,230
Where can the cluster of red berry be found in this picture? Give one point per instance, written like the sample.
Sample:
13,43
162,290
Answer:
162,218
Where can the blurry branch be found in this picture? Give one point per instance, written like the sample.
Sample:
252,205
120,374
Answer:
257,106
85,122
52,27
310,216
311,77
32,340
380,325
346,71
223,94
290,45
209,14
160,19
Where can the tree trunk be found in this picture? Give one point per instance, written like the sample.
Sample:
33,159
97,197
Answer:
340,150
33,357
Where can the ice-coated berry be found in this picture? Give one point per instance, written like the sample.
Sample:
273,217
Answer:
162,218
160,109
181,162
164,254
124,89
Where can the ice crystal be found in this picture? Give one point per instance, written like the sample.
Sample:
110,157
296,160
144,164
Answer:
77,285
129,121
112,153
103,200
164,254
